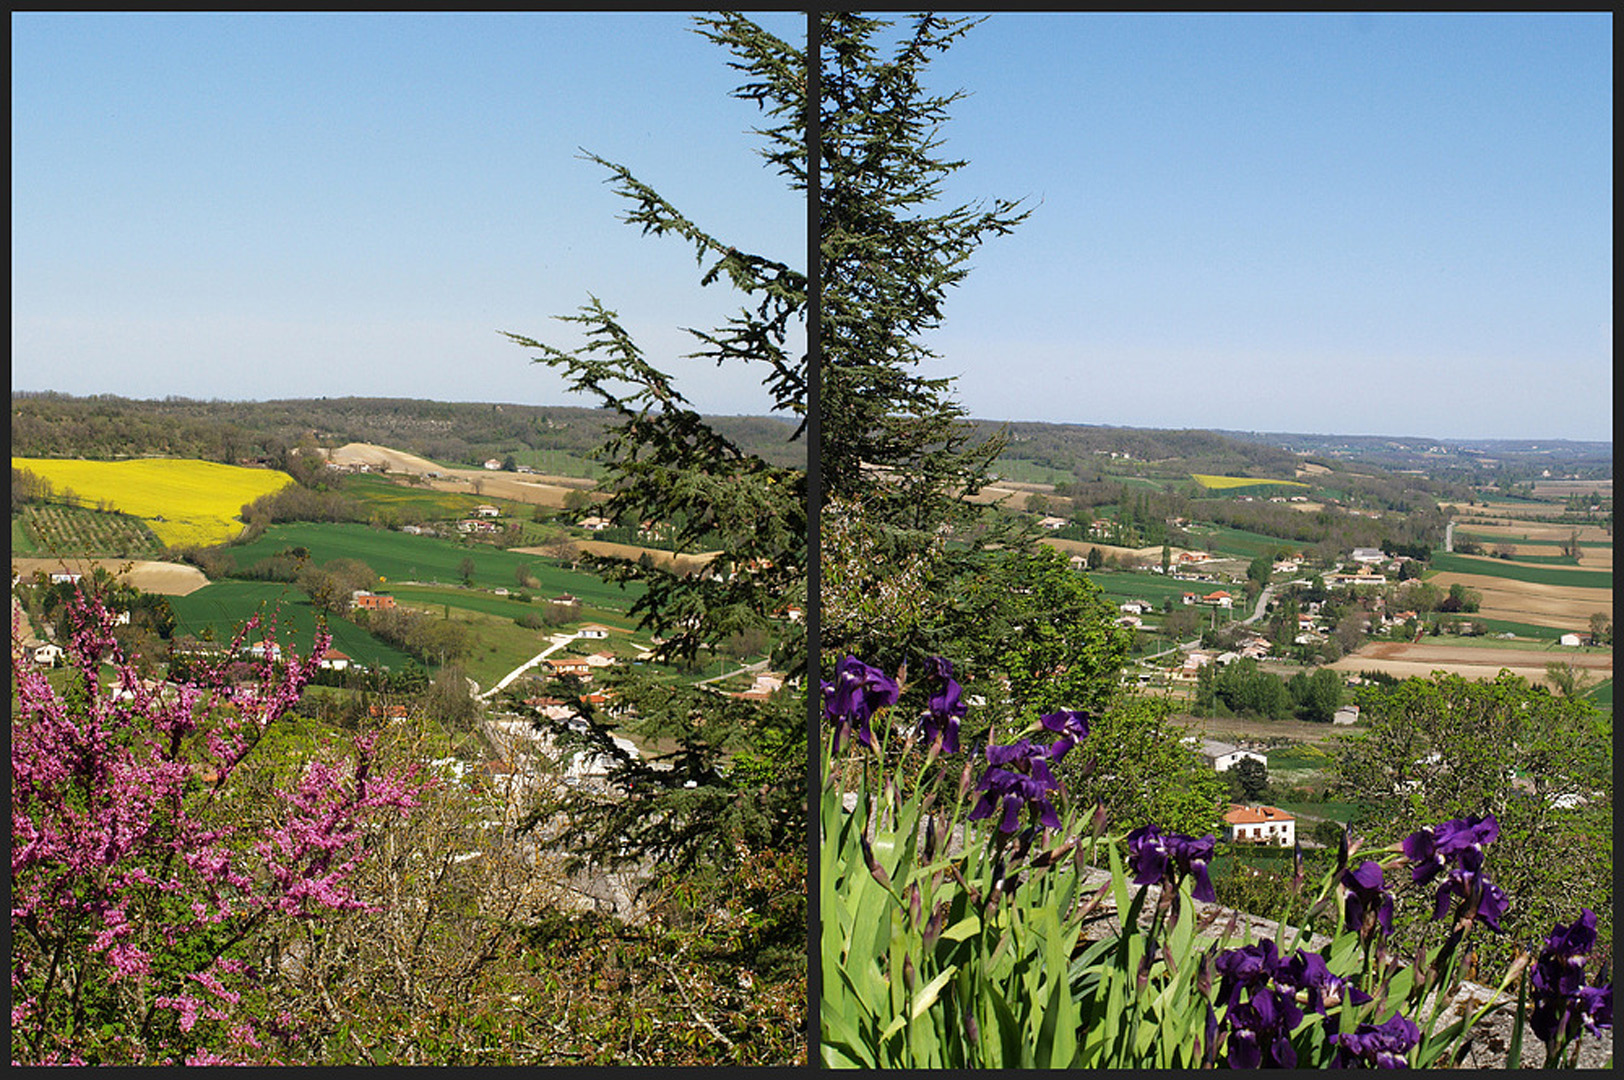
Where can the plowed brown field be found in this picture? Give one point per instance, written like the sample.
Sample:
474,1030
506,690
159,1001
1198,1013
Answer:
1423,659
170,579
1562,606
534,488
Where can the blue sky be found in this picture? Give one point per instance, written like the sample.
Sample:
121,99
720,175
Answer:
1353,224
275,205
1361,224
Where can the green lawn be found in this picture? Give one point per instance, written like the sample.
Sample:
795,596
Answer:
226,605
1543,575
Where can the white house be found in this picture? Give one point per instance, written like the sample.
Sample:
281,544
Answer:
48,654
1345,715
333,660
1571,640
1368,555
487,511
1224,756
593,630
1260,825
493,464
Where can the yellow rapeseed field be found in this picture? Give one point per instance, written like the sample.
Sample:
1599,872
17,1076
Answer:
1218,483
183,501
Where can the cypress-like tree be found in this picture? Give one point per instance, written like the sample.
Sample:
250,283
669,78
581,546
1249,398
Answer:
898,453
733,784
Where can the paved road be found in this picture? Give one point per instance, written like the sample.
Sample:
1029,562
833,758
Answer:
759,665
558,642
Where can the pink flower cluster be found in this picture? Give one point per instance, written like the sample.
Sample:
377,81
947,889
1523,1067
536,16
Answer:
115,806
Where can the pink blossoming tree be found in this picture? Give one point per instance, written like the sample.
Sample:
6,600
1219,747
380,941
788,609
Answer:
149,877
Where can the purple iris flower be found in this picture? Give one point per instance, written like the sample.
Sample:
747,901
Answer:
1018,777
1071,726
857,691
1380,1046
1492,901
1307,975
1431,848
1152,855
1368,901
1249,967
1260,1030
945,707
1561,999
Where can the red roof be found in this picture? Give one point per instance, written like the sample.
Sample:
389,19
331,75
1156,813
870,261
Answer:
1255,815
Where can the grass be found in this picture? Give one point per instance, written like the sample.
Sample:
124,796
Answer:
21,542
1223,540
1541,575
1601,695
424,502
1298,756
1024,471
1120,585
183,501
558,463
1232,483
401,557
226,605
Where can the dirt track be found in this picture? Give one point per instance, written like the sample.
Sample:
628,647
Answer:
170,579
683,563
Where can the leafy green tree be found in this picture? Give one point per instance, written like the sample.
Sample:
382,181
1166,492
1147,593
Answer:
1135,765
1316,696
1445,747
1030,627
1252,776
1259,569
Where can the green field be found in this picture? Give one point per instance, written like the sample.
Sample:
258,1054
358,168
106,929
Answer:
21,542
423,503
401,557
1298,756
1023,471
1223,540
226,605
1489,541
1463,564
1602,695
1120,585
558,463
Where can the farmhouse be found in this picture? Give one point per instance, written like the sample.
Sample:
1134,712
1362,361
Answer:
493,464
1260,825
369,601
1220,598
1223,756
487,511
593,630
595,523
1570,640
333,660
1345,715
1368,555
48,655
1051,522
